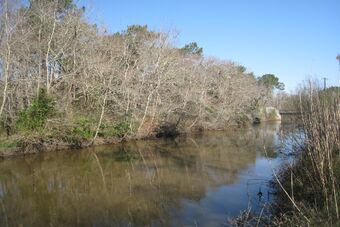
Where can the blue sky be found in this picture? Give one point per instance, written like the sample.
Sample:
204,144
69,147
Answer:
293,39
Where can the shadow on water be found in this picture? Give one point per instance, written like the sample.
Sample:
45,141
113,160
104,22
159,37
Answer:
201,179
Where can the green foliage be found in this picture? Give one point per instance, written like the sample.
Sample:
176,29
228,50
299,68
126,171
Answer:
7,144
62,5
133,30
271,82
35,116
84,128
34,13
135,36
192,48
241,68
118,130
334,90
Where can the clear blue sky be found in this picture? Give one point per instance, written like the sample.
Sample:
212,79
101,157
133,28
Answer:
293,39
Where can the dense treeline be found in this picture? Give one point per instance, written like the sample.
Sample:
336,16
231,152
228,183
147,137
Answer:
71,81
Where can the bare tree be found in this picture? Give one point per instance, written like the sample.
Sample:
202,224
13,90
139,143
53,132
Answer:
136,76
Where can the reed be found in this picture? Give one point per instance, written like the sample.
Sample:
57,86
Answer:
308,190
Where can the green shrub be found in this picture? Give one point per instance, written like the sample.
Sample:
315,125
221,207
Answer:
7,144
118,130
84,128
35,116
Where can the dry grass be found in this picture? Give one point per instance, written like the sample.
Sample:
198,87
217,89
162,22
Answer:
308,189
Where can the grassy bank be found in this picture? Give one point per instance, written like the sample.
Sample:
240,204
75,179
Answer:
54,134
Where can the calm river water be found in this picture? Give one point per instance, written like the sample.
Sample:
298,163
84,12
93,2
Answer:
198,180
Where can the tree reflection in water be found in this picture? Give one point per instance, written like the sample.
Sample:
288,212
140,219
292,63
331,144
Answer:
197,179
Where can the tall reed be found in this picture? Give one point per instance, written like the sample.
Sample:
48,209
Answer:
309,189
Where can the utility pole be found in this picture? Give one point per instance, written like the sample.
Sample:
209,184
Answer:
338,58
324,83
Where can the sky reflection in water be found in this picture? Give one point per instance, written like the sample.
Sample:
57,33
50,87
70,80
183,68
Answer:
201,179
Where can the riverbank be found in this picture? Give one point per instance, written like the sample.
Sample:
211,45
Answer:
308,189
31,144
83,137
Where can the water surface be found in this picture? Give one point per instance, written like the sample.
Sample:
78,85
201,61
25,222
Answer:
197,180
